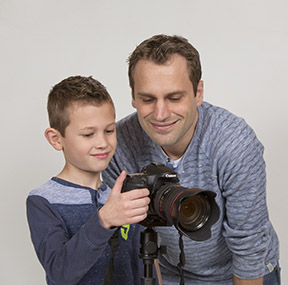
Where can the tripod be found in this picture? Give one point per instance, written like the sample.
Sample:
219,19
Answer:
149,252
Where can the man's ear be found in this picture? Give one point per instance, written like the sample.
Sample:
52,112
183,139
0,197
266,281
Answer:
54,138
133,102
199,94
134,105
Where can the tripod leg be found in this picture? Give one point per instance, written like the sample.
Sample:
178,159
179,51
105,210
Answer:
148,278
158,271
148,252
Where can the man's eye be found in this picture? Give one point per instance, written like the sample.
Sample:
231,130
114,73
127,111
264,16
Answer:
174,99
147,100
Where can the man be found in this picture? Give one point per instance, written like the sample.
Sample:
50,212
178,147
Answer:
209,148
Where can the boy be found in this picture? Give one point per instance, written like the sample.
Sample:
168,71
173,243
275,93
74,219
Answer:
72,216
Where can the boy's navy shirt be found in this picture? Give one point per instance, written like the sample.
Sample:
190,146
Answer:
70,241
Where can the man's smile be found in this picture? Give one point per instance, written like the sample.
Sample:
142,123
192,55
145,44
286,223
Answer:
163,126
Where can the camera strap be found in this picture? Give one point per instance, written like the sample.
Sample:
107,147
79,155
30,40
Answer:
182,259
113,243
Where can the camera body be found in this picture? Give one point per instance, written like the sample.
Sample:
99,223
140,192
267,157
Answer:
191,210
153,177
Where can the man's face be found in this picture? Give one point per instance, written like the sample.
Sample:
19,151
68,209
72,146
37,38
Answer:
166,103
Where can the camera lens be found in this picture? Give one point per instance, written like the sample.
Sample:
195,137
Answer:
193,212
187,208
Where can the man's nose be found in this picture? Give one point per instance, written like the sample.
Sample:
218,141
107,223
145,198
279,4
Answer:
161,111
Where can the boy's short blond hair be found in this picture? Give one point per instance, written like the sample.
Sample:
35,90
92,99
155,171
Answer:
81,89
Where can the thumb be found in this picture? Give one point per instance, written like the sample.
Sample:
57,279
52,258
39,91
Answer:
119,183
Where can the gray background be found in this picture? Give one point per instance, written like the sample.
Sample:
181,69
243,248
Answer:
243,46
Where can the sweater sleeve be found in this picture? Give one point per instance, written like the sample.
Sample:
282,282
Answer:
243,182
65,260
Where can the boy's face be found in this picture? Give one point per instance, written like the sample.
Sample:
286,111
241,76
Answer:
90,138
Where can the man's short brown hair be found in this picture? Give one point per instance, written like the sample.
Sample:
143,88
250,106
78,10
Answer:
159,49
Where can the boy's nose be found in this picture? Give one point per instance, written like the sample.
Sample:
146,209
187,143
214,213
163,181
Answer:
101,142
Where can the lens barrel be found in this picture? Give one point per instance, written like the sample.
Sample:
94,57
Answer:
191,210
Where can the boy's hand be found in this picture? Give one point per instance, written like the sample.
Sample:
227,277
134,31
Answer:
124,208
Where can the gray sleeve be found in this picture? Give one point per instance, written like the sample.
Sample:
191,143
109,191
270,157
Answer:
243,183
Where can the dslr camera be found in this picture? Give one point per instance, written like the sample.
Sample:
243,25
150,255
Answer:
191,210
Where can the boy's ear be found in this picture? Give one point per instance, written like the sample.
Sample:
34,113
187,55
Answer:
54,138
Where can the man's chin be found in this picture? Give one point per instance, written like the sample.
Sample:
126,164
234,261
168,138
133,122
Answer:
163,142
161,138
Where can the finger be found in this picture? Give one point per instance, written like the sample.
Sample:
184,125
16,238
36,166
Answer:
136,194
137,219
119,182
139,211
140,203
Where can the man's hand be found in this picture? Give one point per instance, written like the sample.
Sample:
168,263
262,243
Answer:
124,208
237,281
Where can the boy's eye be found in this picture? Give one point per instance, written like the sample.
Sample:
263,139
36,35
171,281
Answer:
88,135
109,131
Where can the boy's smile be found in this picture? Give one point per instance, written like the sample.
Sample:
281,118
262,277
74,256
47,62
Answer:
101,155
